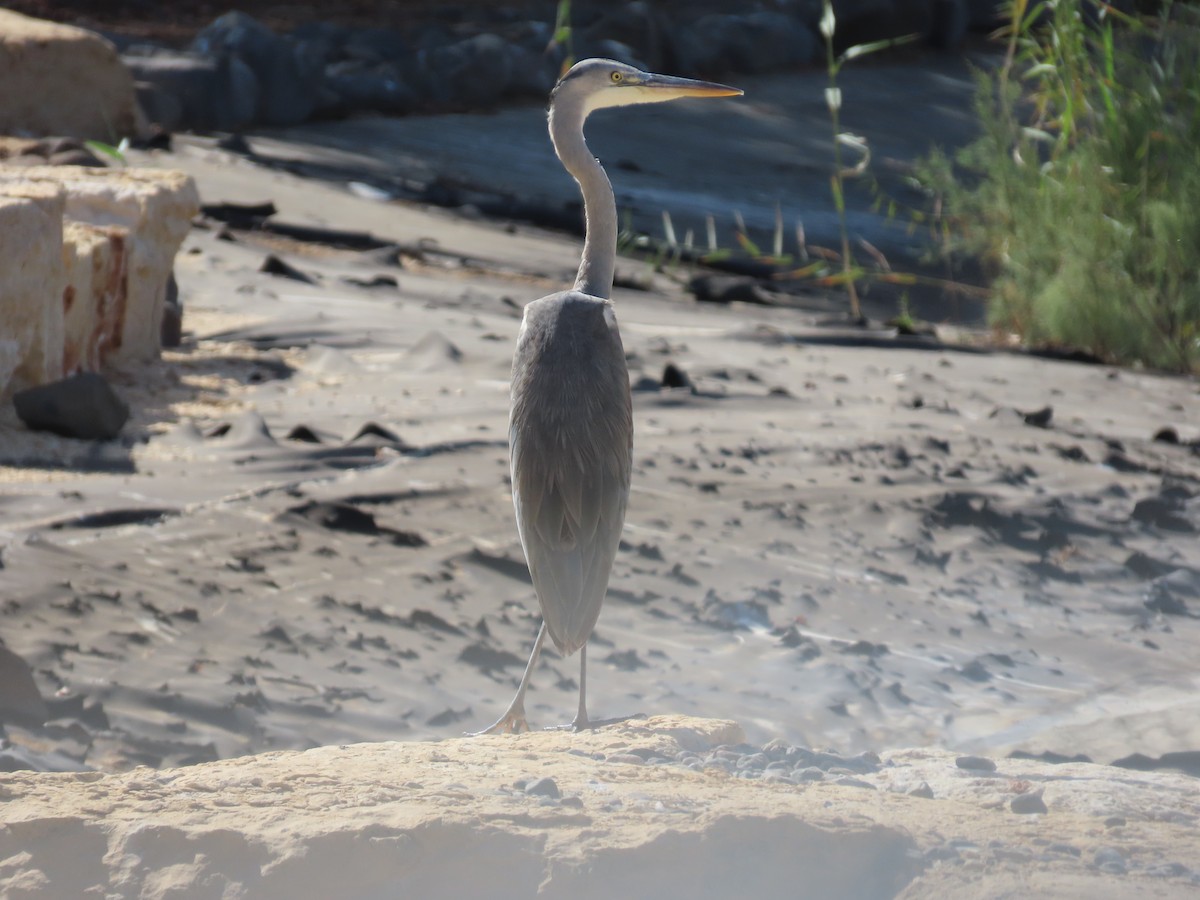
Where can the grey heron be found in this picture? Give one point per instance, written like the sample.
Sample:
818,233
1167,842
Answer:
571,418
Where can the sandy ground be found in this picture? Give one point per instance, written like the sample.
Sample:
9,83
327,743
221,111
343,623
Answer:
833,538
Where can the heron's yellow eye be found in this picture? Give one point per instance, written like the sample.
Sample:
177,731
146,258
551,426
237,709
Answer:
616,76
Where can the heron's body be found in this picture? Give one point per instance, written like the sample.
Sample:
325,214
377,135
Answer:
571,422
570,460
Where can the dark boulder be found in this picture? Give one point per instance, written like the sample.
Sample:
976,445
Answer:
353,86
82,406
209,94
290,72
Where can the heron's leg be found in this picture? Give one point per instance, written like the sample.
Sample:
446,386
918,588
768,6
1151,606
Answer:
581,717
513,720
582,722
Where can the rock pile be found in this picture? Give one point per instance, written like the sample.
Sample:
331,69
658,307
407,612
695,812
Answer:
238,73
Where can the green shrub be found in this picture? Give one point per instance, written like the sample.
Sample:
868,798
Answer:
1082,195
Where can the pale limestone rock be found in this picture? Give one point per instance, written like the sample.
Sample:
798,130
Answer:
155,207
31,284
95,297
442,820
63,80
91,293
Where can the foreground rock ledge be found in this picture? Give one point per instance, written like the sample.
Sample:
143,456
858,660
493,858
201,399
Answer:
444,820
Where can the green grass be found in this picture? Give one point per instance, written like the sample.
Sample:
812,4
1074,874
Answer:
1082,196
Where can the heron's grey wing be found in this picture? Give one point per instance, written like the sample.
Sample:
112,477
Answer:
570,511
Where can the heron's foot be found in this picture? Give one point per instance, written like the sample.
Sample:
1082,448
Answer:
592,724
512,722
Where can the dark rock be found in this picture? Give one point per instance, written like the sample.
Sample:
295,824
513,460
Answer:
646,31
77,156
531,73
372,45
303,434
472,73
543,787
1163,512
488,659
864,648
1039,418
1187,761
376,435
675,377
20,700
975,763
759,42
162,108
273,265
1147,567
626,661
951,22
983,15
1026,804
218,94
449,717
289,72
171,331
82,406
1166,435
355,86
727,289
332,34
1109,859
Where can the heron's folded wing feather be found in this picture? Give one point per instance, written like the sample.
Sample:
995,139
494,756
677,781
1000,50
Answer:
569,543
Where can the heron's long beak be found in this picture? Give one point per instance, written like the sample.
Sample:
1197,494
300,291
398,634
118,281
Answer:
668,87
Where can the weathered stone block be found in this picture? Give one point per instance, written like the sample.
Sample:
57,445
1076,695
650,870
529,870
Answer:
31,278
63,80
85,258
95,297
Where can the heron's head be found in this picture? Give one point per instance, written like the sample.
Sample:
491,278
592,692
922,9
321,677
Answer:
599,83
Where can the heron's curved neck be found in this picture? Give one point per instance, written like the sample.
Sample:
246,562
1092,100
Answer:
599,206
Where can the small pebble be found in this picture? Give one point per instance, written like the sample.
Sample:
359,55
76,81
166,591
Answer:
1028,803
1068,849
628,758
799,756
543,787
976,763
1169,870
1109,859
922,790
